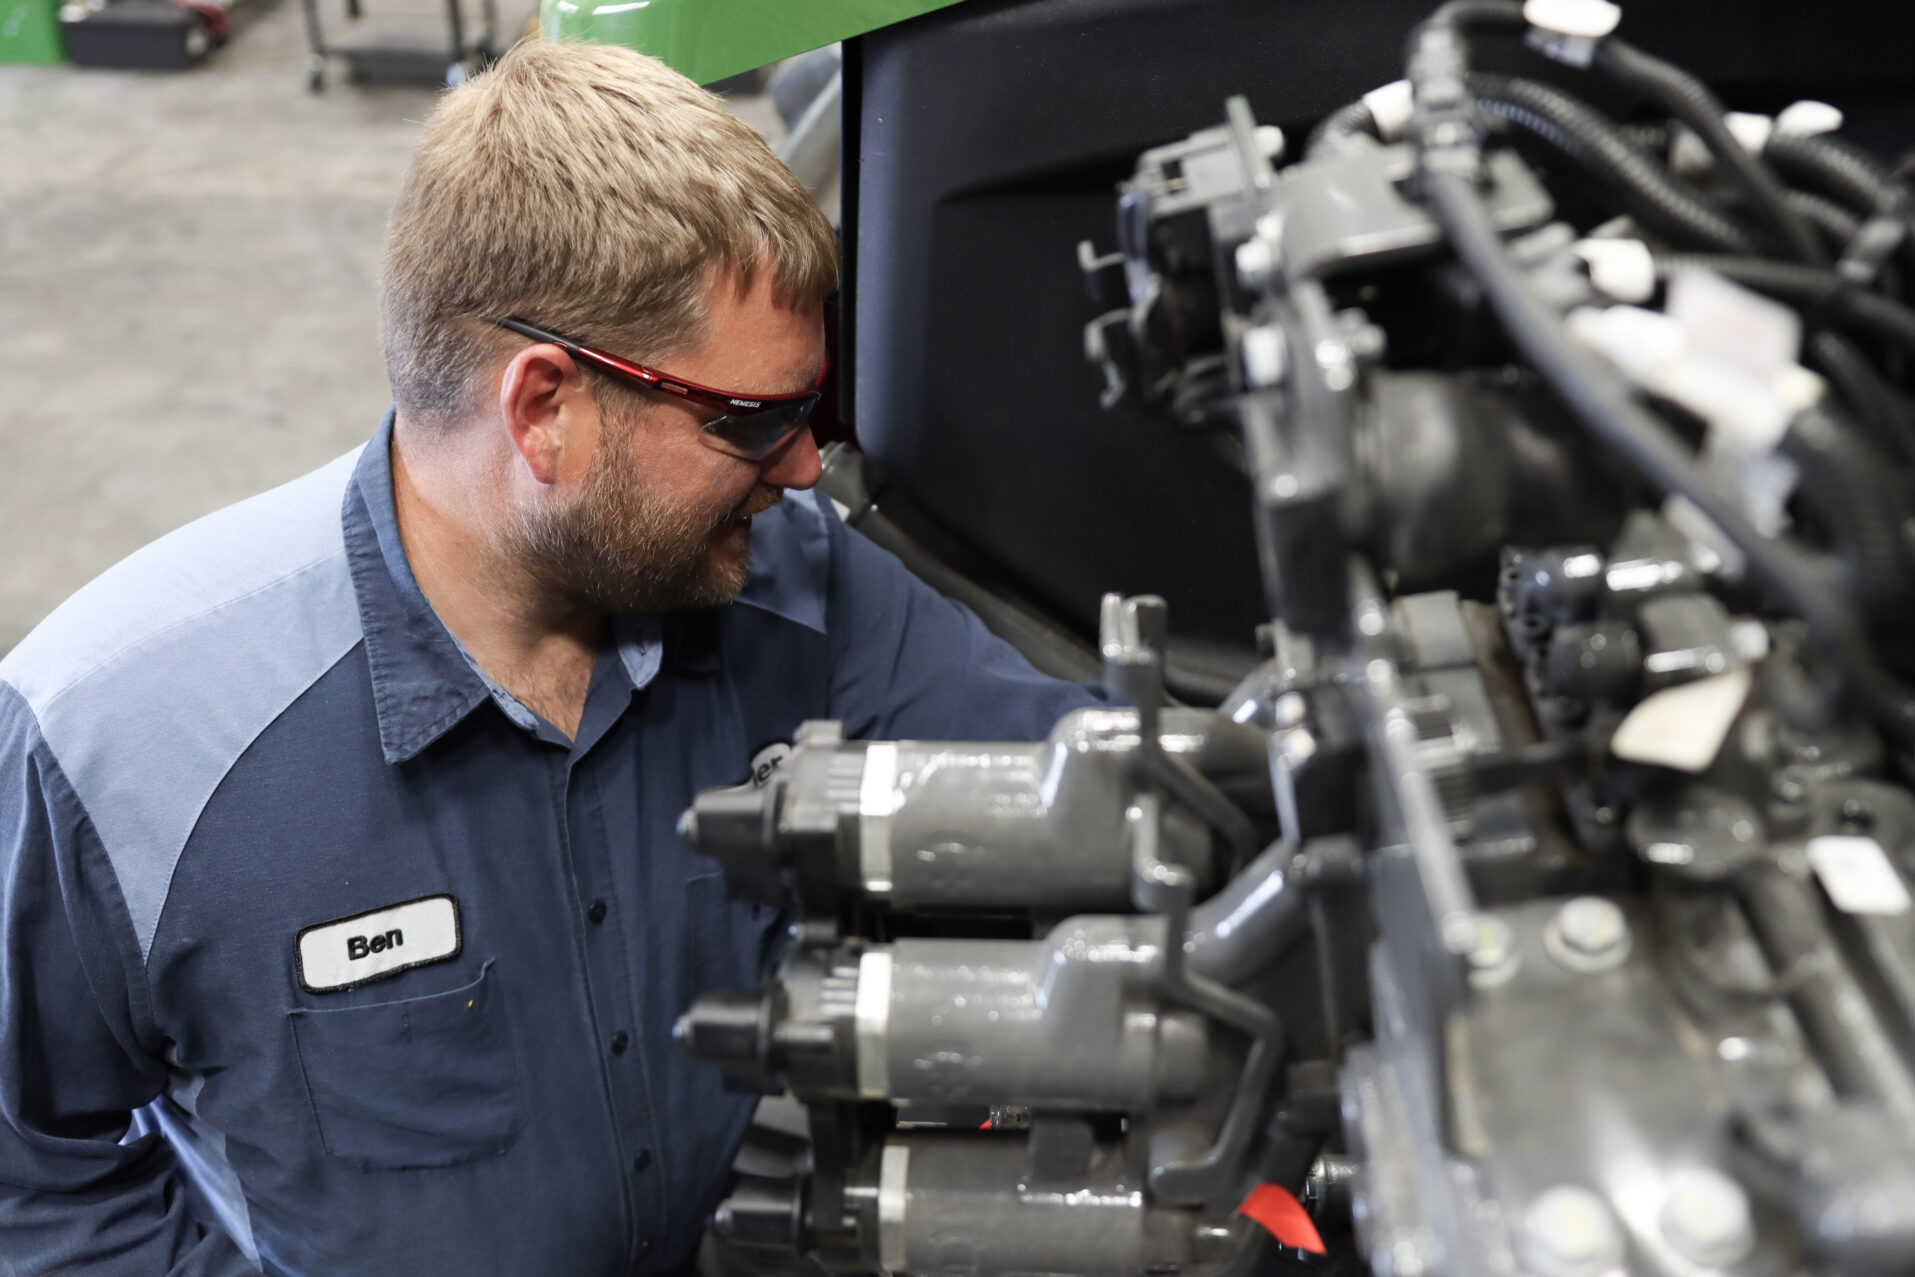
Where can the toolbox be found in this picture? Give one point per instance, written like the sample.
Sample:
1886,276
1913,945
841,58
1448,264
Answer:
151,34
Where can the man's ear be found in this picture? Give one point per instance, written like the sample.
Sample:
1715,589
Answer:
549,411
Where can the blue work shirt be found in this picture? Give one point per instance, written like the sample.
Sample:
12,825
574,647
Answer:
250,757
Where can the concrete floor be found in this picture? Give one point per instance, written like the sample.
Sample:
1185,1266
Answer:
187,305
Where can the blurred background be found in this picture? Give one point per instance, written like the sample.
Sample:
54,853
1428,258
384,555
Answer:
187,263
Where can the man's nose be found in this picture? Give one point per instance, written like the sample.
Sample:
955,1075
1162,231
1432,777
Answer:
796,465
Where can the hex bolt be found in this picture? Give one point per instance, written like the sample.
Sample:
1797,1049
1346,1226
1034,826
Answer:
1256,262
1706,1218
1492,954
1592,925
1569,1232
1588,934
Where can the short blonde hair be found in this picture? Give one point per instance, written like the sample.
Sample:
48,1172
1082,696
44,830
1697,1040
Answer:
591,190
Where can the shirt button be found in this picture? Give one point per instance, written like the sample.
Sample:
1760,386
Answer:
643,1159
620,1041
645,1247
597,912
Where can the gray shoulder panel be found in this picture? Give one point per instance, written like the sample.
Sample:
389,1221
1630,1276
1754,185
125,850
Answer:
151,681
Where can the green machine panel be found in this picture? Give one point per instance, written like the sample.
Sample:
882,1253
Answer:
711,39
29,32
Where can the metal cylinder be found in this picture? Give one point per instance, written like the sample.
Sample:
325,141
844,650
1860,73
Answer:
942,826
1070,1021
965,1204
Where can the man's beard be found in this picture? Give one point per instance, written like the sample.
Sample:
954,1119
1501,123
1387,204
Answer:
623,548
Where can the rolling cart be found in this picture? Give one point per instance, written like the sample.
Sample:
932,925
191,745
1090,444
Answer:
414,43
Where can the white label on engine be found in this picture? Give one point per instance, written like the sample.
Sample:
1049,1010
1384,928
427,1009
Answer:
1683,726
1856,873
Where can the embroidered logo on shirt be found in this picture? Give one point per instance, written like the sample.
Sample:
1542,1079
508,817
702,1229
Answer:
374,946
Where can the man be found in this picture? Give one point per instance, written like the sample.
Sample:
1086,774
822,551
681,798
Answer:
342,923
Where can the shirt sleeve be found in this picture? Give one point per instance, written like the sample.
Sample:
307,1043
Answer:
78,1192
910,664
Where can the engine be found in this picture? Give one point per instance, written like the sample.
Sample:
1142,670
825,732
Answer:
1541,903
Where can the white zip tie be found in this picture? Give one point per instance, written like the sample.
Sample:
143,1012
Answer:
1807,119
1620,268
1391,107
1577,19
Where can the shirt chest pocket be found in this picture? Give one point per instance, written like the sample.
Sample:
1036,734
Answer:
428,1081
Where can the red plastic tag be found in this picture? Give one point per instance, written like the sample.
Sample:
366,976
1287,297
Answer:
1272,1206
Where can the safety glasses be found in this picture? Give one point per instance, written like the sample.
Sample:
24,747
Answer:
752,427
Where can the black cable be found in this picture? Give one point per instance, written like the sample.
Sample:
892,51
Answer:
1448,161
1608,409
1836,223
1689,100
1856,245
1884,410
1846,484
1588,137
1850,176
1822,293
1835,168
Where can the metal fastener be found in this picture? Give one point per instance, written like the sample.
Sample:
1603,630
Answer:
1256,262
1568,1231
1266,357
1707,1219
1588,934
1492,955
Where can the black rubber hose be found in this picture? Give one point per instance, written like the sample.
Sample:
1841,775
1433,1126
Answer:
1690,101
1841,231
1592,140
1608,409
1349,120
1837,1016
1881,408
1835,168
1836,223
1846,484
1447,161
1850,176
1822,293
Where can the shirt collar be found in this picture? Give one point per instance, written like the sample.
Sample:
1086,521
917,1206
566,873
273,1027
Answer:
423,680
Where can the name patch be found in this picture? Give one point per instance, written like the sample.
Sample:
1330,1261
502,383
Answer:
766,762
372,946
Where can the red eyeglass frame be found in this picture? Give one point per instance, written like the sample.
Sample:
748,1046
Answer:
752,427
